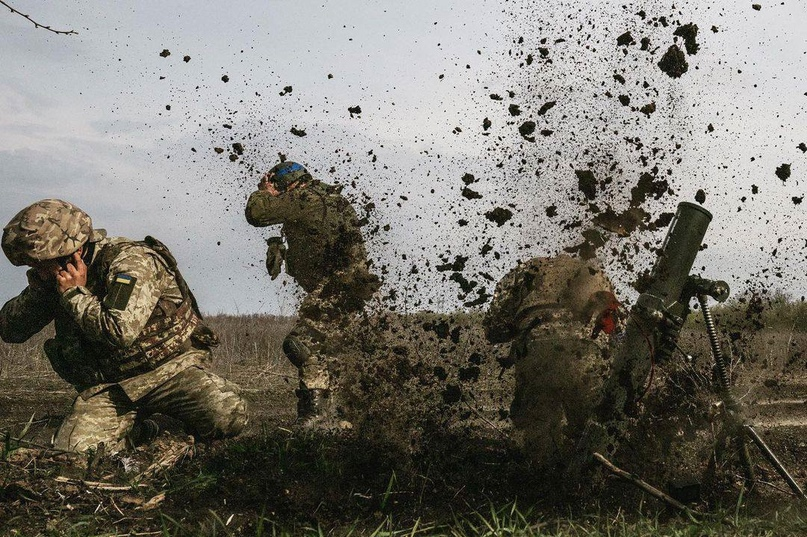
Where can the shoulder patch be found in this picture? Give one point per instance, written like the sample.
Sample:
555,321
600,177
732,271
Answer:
117,297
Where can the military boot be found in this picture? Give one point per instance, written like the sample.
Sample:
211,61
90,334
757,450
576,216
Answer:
143,432
313,409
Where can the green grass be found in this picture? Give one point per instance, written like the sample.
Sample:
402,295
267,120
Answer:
509,520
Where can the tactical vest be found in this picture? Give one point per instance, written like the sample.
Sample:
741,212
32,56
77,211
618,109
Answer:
169,331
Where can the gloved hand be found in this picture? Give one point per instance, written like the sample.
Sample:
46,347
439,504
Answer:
275,255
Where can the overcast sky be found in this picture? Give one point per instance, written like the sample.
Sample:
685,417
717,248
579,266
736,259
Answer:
103,119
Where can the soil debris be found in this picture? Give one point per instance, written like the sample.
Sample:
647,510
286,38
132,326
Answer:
165,53
625,40
587,183
648,109
783,172
623,223
526,130
689,32
674,62
500,215
592,240
546,107
471,194
648,186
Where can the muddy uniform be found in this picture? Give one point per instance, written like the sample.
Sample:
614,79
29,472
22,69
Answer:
326,256
131,343
547,308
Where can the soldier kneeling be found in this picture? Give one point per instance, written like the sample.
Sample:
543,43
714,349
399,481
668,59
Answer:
553,309
129,335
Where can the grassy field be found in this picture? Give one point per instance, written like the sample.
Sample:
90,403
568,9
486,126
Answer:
431,451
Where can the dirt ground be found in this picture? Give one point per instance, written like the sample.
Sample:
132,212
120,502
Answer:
432,441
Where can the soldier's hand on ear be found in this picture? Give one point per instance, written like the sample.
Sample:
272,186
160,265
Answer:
266,186
73,275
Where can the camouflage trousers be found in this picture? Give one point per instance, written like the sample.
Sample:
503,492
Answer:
319,334
208,406
559,372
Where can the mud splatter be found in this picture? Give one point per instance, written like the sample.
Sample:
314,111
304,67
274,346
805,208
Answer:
623,223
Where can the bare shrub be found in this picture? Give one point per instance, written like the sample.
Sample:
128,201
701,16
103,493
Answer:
251,347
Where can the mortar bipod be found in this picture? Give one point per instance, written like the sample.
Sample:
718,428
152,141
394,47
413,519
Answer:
734,421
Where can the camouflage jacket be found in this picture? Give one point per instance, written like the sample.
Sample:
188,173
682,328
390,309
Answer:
545,289
322,231
129,318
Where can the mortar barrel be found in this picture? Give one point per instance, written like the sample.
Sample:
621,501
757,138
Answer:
678,252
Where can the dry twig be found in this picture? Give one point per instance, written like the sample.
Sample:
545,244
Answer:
36,24
97,485
653,491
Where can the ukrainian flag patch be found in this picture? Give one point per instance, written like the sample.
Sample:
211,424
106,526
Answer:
120,291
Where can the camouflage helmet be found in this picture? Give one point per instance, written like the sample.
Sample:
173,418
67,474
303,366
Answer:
287,173
47,229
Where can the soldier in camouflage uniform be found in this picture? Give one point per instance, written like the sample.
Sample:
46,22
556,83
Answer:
128,333
326,256
548,308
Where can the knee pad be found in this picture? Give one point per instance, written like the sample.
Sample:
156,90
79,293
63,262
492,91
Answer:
295,351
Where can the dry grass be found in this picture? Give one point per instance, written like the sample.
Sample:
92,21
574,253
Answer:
448,474
251,348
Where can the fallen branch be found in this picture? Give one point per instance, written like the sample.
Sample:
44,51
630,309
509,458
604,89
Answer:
653,491
97,485
36,24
